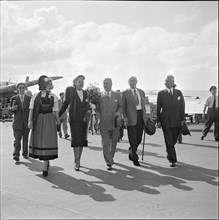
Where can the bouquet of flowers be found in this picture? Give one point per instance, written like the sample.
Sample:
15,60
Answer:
93,93
93,96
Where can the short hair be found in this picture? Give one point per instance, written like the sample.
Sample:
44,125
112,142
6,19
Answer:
21,83
170,77
133,78
61,93
212,87
108,79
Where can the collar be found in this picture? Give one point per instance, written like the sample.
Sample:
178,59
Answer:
110,92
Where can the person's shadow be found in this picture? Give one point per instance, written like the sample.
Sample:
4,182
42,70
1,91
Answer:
129,178
187,172
63,181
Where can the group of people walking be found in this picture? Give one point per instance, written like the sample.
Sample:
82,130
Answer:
43,114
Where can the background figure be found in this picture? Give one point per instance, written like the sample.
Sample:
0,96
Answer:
75,98
42,120
63,118
110,105
170,116
19,105
212,113
134,116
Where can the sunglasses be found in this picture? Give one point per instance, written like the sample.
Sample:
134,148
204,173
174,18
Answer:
21,87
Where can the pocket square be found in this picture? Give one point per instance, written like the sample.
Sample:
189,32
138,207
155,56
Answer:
115,100
178,98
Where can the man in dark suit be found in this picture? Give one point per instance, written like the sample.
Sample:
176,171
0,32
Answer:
134,113
19,105
170,116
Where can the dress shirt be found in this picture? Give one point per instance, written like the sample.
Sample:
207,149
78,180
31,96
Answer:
108,93
210,100
138,107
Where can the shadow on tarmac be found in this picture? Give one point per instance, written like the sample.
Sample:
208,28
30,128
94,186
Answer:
63,181
187,172
126,178
201,145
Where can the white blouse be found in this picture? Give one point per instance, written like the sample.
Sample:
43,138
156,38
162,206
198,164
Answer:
55,106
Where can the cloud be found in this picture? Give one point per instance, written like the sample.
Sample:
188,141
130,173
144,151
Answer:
47,42
186,17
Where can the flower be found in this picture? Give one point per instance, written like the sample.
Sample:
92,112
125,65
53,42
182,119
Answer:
93,94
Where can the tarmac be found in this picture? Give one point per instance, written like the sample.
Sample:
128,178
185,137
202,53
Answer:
152,191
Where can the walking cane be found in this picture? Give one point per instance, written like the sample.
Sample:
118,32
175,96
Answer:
143,146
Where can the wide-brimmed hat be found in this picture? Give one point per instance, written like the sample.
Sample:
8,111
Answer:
117,120
184,130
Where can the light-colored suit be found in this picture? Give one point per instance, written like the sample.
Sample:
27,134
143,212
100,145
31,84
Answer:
129,106
108,106
136,120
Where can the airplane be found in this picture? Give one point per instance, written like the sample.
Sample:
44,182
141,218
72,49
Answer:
8,89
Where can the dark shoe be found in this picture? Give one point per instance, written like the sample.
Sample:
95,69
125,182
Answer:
130,157
180,142
60,136
66,136
136,163
16,158
109,167
77,169
172,164
202,138
45,172
25,157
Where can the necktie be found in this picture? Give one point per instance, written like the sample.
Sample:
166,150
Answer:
214,103
22,100
107,95
136,98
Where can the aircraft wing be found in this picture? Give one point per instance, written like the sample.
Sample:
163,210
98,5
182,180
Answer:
35,82
195,106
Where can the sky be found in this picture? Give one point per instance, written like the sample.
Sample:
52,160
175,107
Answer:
116,39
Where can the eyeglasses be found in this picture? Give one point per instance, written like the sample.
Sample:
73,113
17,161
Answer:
21,87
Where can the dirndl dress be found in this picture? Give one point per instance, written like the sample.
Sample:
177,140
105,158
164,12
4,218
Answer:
43,139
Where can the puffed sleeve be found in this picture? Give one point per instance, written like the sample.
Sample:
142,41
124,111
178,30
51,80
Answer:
32,101
56,104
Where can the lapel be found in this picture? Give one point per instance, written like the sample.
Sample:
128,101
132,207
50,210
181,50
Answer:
19,101
131,95
168,96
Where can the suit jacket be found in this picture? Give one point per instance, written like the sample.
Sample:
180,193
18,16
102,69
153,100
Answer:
170,108
70,100
129,106
64,116
107,108
22,113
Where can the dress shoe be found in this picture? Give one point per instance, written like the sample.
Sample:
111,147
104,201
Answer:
45,172
172,164
60,136
77,169
25,157
136,163
109,167
202,138
66,136
16,158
